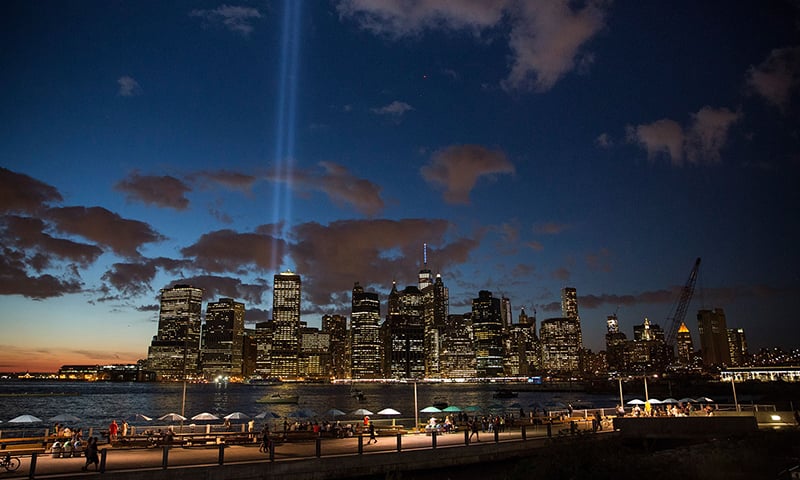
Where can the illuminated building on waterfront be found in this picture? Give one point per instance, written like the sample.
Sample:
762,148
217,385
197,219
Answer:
285,352
263,337
487,328
175,350
457,356
336,327
315,354
366,352
561,344
737,344
223,340
685,346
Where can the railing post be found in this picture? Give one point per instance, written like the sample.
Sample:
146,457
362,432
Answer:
433,438
524,432
360,444
271,451
399,442
549,430
32,472
466,436
496,435
319,447
103,455
221,459
164,457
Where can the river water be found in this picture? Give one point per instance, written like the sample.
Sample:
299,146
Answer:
97,403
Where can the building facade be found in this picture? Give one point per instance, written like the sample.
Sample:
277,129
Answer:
366,353
487,328
223,340
285,351
174,352
713,331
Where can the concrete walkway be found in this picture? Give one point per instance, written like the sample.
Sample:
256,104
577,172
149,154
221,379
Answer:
338,458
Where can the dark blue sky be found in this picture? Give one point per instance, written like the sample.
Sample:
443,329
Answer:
532,144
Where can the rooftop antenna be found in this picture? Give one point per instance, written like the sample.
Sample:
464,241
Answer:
425,254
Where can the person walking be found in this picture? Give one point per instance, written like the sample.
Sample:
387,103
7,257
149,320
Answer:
474,430
372,433
264,448
92,455
113,429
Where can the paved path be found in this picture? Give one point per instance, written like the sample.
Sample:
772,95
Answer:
153,458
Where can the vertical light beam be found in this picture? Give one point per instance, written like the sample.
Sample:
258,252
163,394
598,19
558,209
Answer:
285,122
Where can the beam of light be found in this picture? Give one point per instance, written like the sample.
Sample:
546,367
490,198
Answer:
285,122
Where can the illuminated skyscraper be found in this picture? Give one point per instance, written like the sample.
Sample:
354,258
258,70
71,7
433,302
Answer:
174,351
487,327
685,345
457,357
286,325
366,356
737,344
336,327
435,308
561,344
569,303
223,338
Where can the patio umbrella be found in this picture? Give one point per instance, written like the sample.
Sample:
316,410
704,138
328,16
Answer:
267,413
669,400
655,401
25,419
334,412
430,409
636,401
686,400
361,411
303,413
473,408
452,409
138,417
236,416
205,416
172,417
65,417
703,400
389,411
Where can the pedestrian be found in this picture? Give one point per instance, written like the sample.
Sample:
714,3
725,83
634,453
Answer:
372,433
474,430
599,420
264,448
113,429
125,428
91,454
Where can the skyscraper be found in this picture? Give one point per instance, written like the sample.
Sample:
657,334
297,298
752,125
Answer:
336,327
457,357
685,345
487,327
435,308
223,339
366,356
286,329
569,303
174,351
713,337
737,344
561,344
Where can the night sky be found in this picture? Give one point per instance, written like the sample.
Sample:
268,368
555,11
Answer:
532,145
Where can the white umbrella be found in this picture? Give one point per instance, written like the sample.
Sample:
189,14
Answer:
138,417
334,412
236,416
388,411
430,409
669,400
172,417
636,401
205,416
655,401
267,413
65,417
362,411
25,419
703,400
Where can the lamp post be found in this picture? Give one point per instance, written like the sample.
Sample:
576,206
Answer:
621,400
416,407
735,401
646,395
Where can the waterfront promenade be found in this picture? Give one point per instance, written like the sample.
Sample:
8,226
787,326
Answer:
326,458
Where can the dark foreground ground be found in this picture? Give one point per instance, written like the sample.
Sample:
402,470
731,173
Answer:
764,455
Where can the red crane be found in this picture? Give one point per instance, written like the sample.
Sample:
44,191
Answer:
683,304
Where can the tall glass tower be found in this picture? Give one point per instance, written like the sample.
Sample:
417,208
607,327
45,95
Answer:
175,349
286,325
366,358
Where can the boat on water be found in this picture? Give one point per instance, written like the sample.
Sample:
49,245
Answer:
504,393
277,398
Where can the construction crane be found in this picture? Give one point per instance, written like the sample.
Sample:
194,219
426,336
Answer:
683,304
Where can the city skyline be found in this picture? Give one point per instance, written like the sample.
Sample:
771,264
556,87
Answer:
530,145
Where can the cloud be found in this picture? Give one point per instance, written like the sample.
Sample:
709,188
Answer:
128,86
230,251
394,109
372,252
15,280
106,228
457,169
231,180
550,228
133,279
536,246
215,287
341,186
28,235
545,37
776,78
599,261
561,274
162,191
24,194
604,141
235,18
701,142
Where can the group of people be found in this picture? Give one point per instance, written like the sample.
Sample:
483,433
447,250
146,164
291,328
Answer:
670,410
